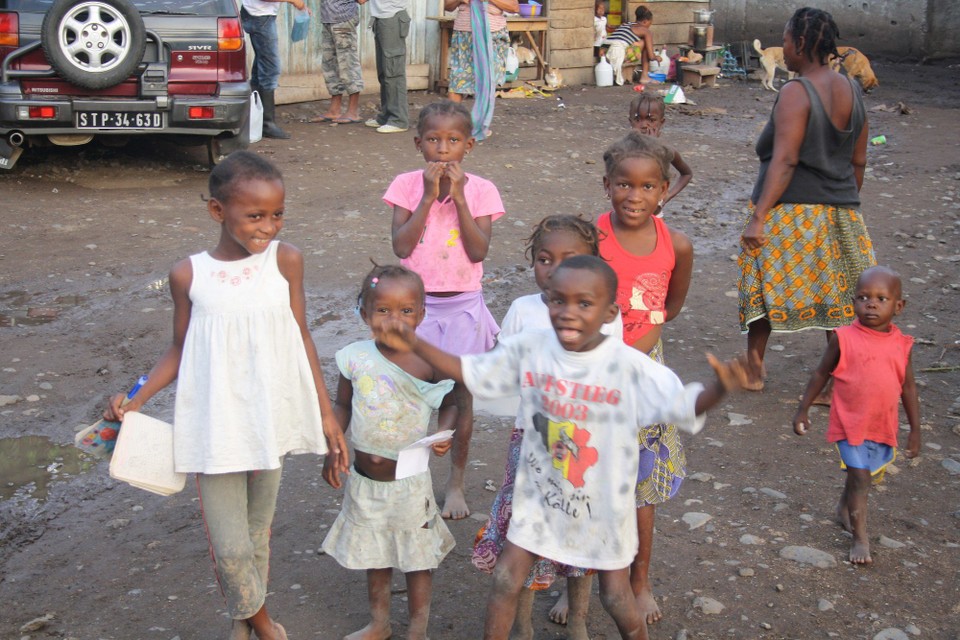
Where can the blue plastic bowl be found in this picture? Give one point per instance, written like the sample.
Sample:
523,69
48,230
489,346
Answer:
661,77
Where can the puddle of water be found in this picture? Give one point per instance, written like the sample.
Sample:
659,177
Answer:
17,309
28,465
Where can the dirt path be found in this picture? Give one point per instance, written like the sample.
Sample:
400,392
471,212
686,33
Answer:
88,235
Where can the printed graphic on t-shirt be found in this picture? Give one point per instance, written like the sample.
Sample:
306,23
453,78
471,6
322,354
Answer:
567,445
644,302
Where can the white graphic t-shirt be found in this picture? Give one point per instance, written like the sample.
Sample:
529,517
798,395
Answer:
574,495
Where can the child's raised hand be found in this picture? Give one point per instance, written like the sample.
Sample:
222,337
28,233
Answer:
431,179
395,334
441,448
732,374
458,178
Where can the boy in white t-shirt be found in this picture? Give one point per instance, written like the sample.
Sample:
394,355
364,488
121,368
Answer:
584,399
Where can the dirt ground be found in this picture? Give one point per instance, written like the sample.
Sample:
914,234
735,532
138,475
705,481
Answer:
89,233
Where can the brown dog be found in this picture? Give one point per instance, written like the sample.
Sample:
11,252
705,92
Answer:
855,65
771,59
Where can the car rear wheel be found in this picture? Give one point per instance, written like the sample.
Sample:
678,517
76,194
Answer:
95,44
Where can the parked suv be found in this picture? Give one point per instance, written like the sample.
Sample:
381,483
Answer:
71,70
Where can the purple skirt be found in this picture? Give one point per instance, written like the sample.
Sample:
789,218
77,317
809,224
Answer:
459,324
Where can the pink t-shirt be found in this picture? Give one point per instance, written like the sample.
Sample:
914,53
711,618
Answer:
867,384
440,258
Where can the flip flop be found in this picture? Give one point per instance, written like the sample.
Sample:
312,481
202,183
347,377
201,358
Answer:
321,118
346,120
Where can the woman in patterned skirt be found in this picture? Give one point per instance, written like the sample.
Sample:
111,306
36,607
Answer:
805,242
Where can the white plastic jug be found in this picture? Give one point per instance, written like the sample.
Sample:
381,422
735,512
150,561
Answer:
604,73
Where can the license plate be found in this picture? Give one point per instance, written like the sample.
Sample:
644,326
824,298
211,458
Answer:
119,120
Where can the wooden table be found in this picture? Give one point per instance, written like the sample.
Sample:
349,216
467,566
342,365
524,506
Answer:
533,33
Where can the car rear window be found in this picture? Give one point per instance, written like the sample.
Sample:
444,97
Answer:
177,7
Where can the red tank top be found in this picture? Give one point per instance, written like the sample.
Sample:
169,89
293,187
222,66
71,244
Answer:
867,384
642,280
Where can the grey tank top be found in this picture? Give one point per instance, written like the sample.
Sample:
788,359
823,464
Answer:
824,174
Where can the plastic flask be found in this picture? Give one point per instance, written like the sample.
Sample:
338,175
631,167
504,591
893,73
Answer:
604,73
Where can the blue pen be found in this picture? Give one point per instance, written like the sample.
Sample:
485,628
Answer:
142,380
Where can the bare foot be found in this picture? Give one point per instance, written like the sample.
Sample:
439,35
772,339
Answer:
325,117
842,517
373,631
648,605
560,609
645,79
860,552
455,504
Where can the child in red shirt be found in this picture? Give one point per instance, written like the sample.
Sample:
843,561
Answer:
872,373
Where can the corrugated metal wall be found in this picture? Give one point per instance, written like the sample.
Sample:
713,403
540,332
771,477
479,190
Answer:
304,57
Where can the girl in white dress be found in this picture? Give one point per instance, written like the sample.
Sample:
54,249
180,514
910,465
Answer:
249,386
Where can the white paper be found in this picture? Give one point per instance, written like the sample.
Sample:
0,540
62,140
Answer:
143,456
415,458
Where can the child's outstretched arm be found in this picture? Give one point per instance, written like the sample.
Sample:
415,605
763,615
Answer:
399,336
686,175
290,262
167,367
818,380
408,225
731,375
474,232
343,409
911,405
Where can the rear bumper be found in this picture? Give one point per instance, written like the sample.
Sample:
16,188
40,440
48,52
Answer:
231,113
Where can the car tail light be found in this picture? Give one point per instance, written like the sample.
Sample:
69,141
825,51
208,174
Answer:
229,34
37,113
9,29
201,113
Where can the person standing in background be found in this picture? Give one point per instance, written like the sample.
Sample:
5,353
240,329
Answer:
259,20
391,24
340,61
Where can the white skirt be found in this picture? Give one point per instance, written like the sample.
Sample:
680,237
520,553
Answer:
389,525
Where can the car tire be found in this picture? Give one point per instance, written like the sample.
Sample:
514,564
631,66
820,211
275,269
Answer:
94,44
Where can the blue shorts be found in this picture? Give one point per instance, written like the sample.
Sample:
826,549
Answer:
869,455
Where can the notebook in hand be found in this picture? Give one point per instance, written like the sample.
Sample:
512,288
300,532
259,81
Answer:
143,456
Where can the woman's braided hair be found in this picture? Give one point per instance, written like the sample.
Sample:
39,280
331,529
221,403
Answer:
819,33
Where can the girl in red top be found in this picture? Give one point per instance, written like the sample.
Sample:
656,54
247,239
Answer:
653,265
872,373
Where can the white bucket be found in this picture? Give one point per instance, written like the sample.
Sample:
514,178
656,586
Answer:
604,73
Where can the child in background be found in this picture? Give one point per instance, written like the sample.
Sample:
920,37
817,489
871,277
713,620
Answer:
632,42
249,386
599,26
647,115
653,264
872,373
442,221
583,400
387,396
554,239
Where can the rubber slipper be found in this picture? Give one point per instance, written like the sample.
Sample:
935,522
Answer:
346,120
321,118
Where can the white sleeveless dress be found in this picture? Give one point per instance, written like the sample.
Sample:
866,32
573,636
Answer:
245,392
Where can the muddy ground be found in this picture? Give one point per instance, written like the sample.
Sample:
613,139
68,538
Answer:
89,233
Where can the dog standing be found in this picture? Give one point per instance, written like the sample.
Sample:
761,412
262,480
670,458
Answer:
855,65
771,59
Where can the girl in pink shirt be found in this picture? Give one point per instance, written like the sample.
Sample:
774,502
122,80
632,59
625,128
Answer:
442,221
872,374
